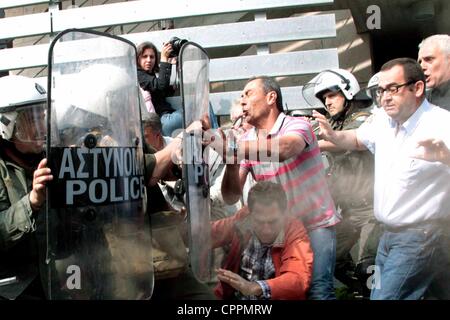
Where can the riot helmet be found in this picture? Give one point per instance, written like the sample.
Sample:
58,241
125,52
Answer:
97,101
22,112
371,89
334,80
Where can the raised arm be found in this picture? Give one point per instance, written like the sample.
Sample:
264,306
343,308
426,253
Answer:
233,183
346,140
159,163
328,146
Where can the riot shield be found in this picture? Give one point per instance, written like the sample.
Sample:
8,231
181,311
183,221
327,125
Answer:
194,77
98,235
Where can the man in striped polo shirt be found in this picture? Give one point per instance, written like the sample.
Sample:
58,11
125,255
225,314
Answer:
284,150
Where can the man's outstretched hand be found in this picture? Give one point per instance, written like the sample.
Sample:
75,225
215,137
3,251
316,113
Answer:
432,150
245,287
325,132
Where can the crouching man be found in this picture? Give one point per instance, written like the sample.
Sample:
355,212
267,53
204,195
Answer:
270,255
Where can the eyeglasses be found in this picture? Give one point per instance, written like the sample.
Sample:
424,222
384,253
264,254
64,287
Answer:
392,89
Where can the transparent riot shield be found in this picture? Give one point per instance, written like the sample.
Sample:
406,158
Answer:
194,77
98,235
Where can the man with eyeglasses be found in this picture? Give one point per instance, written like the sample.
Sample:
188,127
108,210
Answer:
411,194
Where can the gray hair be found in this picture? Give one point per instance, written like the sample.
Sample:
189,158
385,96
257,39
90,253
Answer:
153,121
441,40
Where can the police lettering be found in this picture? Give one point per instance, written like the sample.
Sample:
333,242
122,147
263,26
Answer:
101,175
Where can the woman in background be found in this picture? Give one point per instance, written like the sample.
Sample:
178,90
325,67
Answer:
154,78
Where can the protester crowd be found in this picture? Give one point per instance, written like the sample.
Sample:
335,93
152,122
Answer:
354,196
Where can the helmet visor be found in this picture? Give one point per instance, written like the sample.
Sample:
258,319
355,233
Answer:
309,94
371,92
30,124
314,90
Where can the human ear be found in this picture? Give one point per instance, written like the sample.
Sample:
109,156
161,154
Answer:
420,88
271,97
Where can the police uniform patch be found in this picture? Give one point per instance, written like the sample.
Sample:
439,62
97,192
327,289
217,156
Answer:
361,118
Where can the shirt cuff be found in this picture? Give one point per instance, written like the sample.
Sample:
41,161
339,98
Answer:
267,293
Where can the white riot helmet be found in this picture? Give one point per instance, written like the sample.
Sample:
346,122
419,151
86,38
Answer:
335,80
372,86
22,106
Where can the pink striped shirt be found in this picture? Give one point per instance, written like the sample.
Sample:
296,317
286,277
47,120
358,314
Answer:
301,176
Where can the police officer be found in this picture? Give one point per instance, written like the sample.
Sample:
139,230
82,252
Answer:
371,88
22,185
350,176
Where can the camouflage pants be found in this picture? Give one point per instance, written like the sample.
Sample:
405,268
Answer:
357,238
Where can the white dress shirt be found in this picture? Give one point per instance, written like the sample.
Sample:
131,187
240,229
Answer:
408,190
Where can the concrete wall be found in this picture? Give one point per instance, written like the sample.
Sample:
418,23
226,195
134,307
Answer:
21,11
353,48
65,5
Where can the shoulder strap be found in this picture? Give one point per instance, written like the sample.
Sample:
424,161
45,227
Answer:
13,198
356,115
